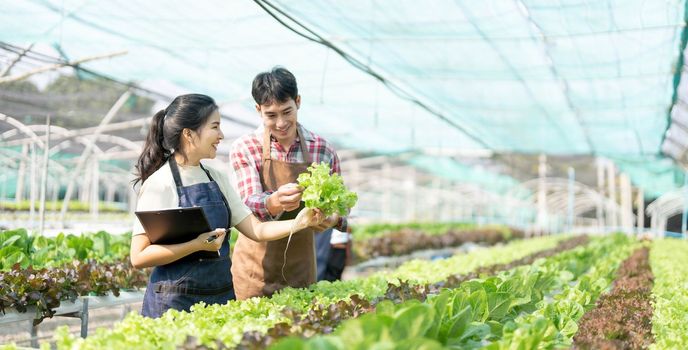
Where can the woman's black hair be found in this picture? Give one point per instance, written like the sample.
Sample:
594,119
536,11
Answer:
164,136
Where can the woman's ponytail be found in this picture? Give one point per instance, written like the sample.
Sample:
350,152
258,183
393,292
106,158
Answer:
154,154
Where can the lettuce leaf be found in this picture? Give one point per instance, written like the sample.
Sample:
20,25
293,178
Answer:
326,191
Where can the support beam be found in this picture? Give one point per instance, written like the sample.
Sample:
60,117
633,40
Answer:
19,191
571,199
640,204
410,191
387,197
626,204
33,194
44,177
82,159
50,67
95,190
600,188
68,134
611,178
16,60
542,195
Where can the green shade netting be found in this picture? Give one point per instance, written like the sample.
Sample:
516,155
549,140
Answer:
452,170
569,77
654,175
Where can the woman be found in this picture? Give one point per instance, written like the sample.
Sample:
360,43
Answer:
169,168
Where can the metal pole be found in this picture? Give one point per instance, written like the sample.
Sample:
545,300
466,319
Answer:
95,195
110,192
410,184
56,193
125,311
641,210
84,187
542,195
387,196
614,214
32,187
626,204
19,191
34,334
50,67
685,205
44,177
136,123
600,189
572,178
654,225
3,194
84,317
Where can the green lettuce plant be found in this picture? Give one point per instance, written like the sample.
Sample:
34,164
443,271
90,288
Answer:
326,191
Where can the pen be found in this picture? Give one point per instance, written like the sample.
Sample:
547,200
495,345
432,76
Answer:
210,239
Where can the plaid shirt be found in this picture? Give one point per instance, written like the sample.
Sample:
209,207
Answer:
246,159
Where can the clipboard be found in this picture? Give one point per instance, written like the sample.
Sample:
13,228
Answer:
172,226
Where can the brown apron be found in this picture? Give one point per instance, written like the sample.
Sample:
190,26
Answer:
257,266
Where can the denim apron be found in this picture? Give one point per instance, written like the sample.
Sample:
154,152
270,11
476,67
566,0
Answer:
192,279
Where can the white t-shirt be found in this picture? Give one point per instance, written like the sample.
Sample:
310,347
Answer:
159,192
339,237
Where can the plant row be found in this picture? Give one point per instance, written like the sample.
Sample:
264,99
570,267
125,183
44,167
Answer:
323,319
555,321
51,259
20,247
669,262
226,324
362,232
17,246
25,205
41,272
46,288
405,240
523,308
622,318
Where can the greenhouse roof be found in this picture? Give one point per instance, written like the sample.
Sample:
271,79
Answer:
524,76
473,175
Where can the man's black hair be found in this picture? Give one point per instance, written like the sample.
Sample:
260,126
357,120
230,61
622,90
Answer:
277,85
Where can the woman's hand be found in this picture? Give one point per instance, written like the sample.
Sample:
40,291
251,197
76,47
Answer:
320,223
205,241
308,218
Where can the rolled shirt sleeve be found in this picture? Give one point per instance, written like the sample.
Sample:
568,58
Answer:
248,180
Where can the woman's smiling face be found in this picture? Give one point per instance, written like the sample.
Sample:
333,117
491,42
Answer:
205,140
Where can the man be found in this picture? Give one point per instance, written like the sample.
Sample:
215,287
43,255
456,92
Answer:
333,253
266,164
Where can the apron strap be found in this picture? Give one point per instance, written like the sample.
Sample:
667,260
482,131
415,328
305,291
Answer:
267,145
229,213
180,187
206,172
304,147
177,179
